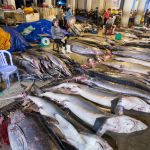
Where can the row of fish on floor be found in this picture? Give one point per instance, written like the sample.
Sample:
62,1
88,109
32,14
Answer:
82,105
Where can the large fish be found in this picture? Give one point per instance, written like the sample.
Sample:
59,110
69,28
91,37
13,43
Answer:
132,60
132,49
86,50
131,67
133,54
105,98
28,66
143,44
130,80
82,141
95,118
32,59
114,87
26,133
60,64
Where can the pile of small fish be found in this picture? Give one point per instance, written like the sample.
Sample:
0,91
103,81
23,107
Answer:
44,65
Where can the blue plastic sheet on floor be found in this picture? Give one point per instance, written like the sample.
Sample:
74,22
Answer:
18,43
41,27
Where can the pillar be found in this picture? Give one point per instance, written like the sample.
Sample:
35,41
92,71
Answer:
126,12
24,3
108,4
35,3
101,6
136,5
88,5
11,2
48,2
140,11
81,4
73,5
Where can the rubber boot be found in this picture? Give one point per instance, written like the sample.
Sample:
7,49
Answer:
68,50
63,50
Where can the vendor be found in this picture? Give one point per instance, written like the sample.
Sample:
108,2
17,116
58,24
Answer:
58,35
107,15
68,15
60,16
110,27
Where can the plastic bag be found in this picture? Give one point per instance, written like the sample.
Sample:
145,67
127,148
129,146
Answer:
41,27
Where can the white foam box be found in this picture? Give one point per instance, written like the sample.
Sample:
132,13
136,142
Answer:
32,17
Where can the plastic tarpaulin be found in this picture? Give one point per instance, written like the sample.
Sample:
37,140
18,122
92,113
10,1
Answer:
41,27
4,40
18,43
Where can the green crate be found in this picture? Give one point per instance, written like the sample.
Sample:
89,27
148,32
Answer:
118,36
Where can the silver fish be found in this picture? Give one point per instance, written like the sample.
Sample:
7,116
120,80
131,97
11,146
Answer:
86,50
114,87
59,64
131,67
82,141
91,115
26,133
133,54
132,60
105,98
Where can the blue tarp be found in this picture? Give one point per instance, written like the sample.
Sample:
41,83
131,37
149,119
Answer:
41,27
18,43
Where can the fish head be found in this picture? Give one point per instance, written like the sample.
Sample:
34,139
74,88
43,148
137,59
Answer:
123,124
136,104
16,116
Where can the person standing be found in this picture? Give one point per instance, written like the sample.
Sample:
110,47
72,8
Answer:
146,17
110,25
107,15
60,16
68,15
96,16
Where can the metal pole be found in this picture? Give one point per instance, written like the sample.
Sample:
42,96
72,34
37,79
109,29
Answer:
88,5
24,2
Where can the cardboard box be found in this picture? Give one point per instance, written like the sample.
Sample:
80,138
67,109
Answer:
20,18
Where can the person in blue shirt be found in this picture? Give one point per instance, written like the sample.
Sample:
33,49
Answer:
68,15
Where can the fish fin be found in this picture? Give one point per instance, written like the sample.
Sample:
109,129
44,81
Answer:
114,104
98,125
